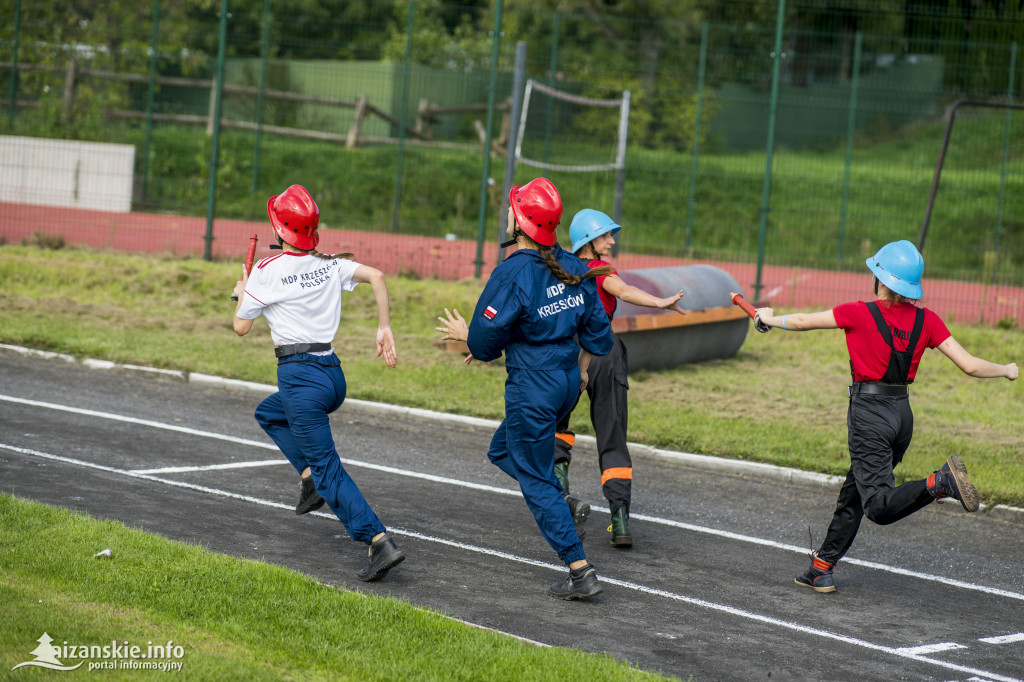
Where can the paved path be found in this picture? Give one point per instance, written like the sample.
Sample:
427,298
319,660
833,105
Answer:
706,591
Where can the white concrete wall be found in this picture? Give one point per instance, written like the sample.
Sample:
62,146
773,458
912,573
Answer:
91,175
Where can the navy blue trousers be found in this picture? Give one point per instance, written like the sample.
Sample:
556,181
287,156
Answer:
309,388
524,448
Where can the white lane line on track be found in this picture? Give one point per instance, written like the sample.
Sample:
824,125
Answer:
721,608
931,648
1004,639
516,493
211,467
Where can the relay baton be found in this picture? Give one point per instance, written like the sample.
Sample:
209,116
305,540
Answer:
750,310
250,256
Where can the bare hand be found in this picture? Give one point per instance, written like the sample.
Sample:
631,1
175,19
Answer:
386,346
1011,371
240,284
455,327
584,380
672,303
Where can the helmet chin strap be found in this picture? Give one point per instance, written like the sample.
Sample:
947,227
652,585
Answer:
515,237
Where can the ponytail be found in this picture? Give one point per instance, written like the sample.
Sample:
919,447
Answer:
312,252
572,280
331,256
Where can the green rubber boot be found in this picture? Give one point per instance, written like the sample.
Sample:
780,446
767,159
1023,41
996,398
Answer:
620,528
580,509
562,474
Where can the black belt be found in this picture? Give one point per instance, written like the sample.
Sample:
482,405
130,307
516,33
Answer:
296,348
875,388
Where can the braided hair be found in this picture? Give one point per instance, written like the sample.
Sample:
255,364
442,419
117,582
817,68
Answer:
314,252
548,255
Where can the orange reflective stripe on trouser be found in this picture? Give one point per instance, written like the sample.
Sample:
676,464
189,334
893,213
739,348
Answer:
616,472
568,438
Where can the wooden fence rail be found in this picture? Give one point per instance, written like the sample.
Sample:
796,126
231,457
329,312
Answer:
421,134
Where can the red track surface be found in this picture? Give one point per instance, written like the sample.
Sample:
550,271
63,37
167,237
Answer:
786,288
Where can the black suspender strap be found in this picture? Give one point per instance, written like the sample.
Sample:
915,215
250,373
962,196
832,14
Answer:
908,354
883,327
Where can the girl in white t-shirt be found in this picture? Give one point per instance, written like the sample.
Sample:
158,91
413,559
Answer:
299,293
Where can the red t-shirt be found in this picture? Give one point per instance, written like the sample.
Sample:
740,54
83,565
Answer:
869,353
607,300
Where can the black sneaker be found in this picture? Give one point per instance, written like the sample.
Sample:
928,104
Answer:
384,556
818,577
309,498
579,584
951,481
580,512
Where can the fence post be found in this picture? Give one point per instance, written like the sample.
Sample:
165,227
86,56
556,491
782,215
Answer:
402,117
421,114
1006,151
851,126
353,132
150,94
264,49
620,173
553,72
70,76
218,89
514,110
485,174
212,109
695,153
772,109
14,62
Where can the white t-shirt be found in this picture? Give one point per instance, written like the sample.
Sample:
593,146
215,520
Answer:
299,294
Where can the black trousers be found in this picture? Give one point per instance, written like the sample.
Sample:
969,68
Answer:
879,432
608,389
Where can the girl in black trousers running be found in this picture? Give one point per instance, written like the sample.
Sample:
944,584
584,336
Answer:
886,339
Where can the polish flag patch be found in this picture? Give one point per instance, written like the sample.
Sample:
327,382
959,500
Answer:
490,312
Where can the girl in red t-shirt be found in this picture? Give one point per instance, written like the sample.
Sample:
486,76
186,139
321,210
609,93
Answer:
886,339
593,236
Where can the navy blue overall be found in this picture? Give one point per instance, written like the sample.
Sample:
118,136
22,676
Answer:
309,388
536,320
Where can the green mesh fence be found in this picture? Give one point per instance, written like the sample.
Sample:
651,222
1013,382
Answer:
318,95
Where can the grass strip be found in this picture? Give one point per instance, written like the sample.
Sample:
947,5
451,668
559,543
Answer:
235,619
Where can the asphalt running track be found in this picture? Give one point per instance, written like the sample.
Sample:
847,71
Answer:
706,591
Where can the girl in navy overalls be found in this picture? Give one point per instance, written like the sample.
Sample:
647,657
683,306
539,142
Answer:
534,307
299,293
886,339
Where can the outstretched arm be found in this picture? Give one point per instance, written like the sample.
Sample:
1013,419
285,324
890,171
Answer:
976,367
385,338
614,285
798,322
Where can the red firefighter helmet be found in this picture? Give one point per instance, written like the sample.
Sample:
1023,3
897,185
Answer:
537,207
295,217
